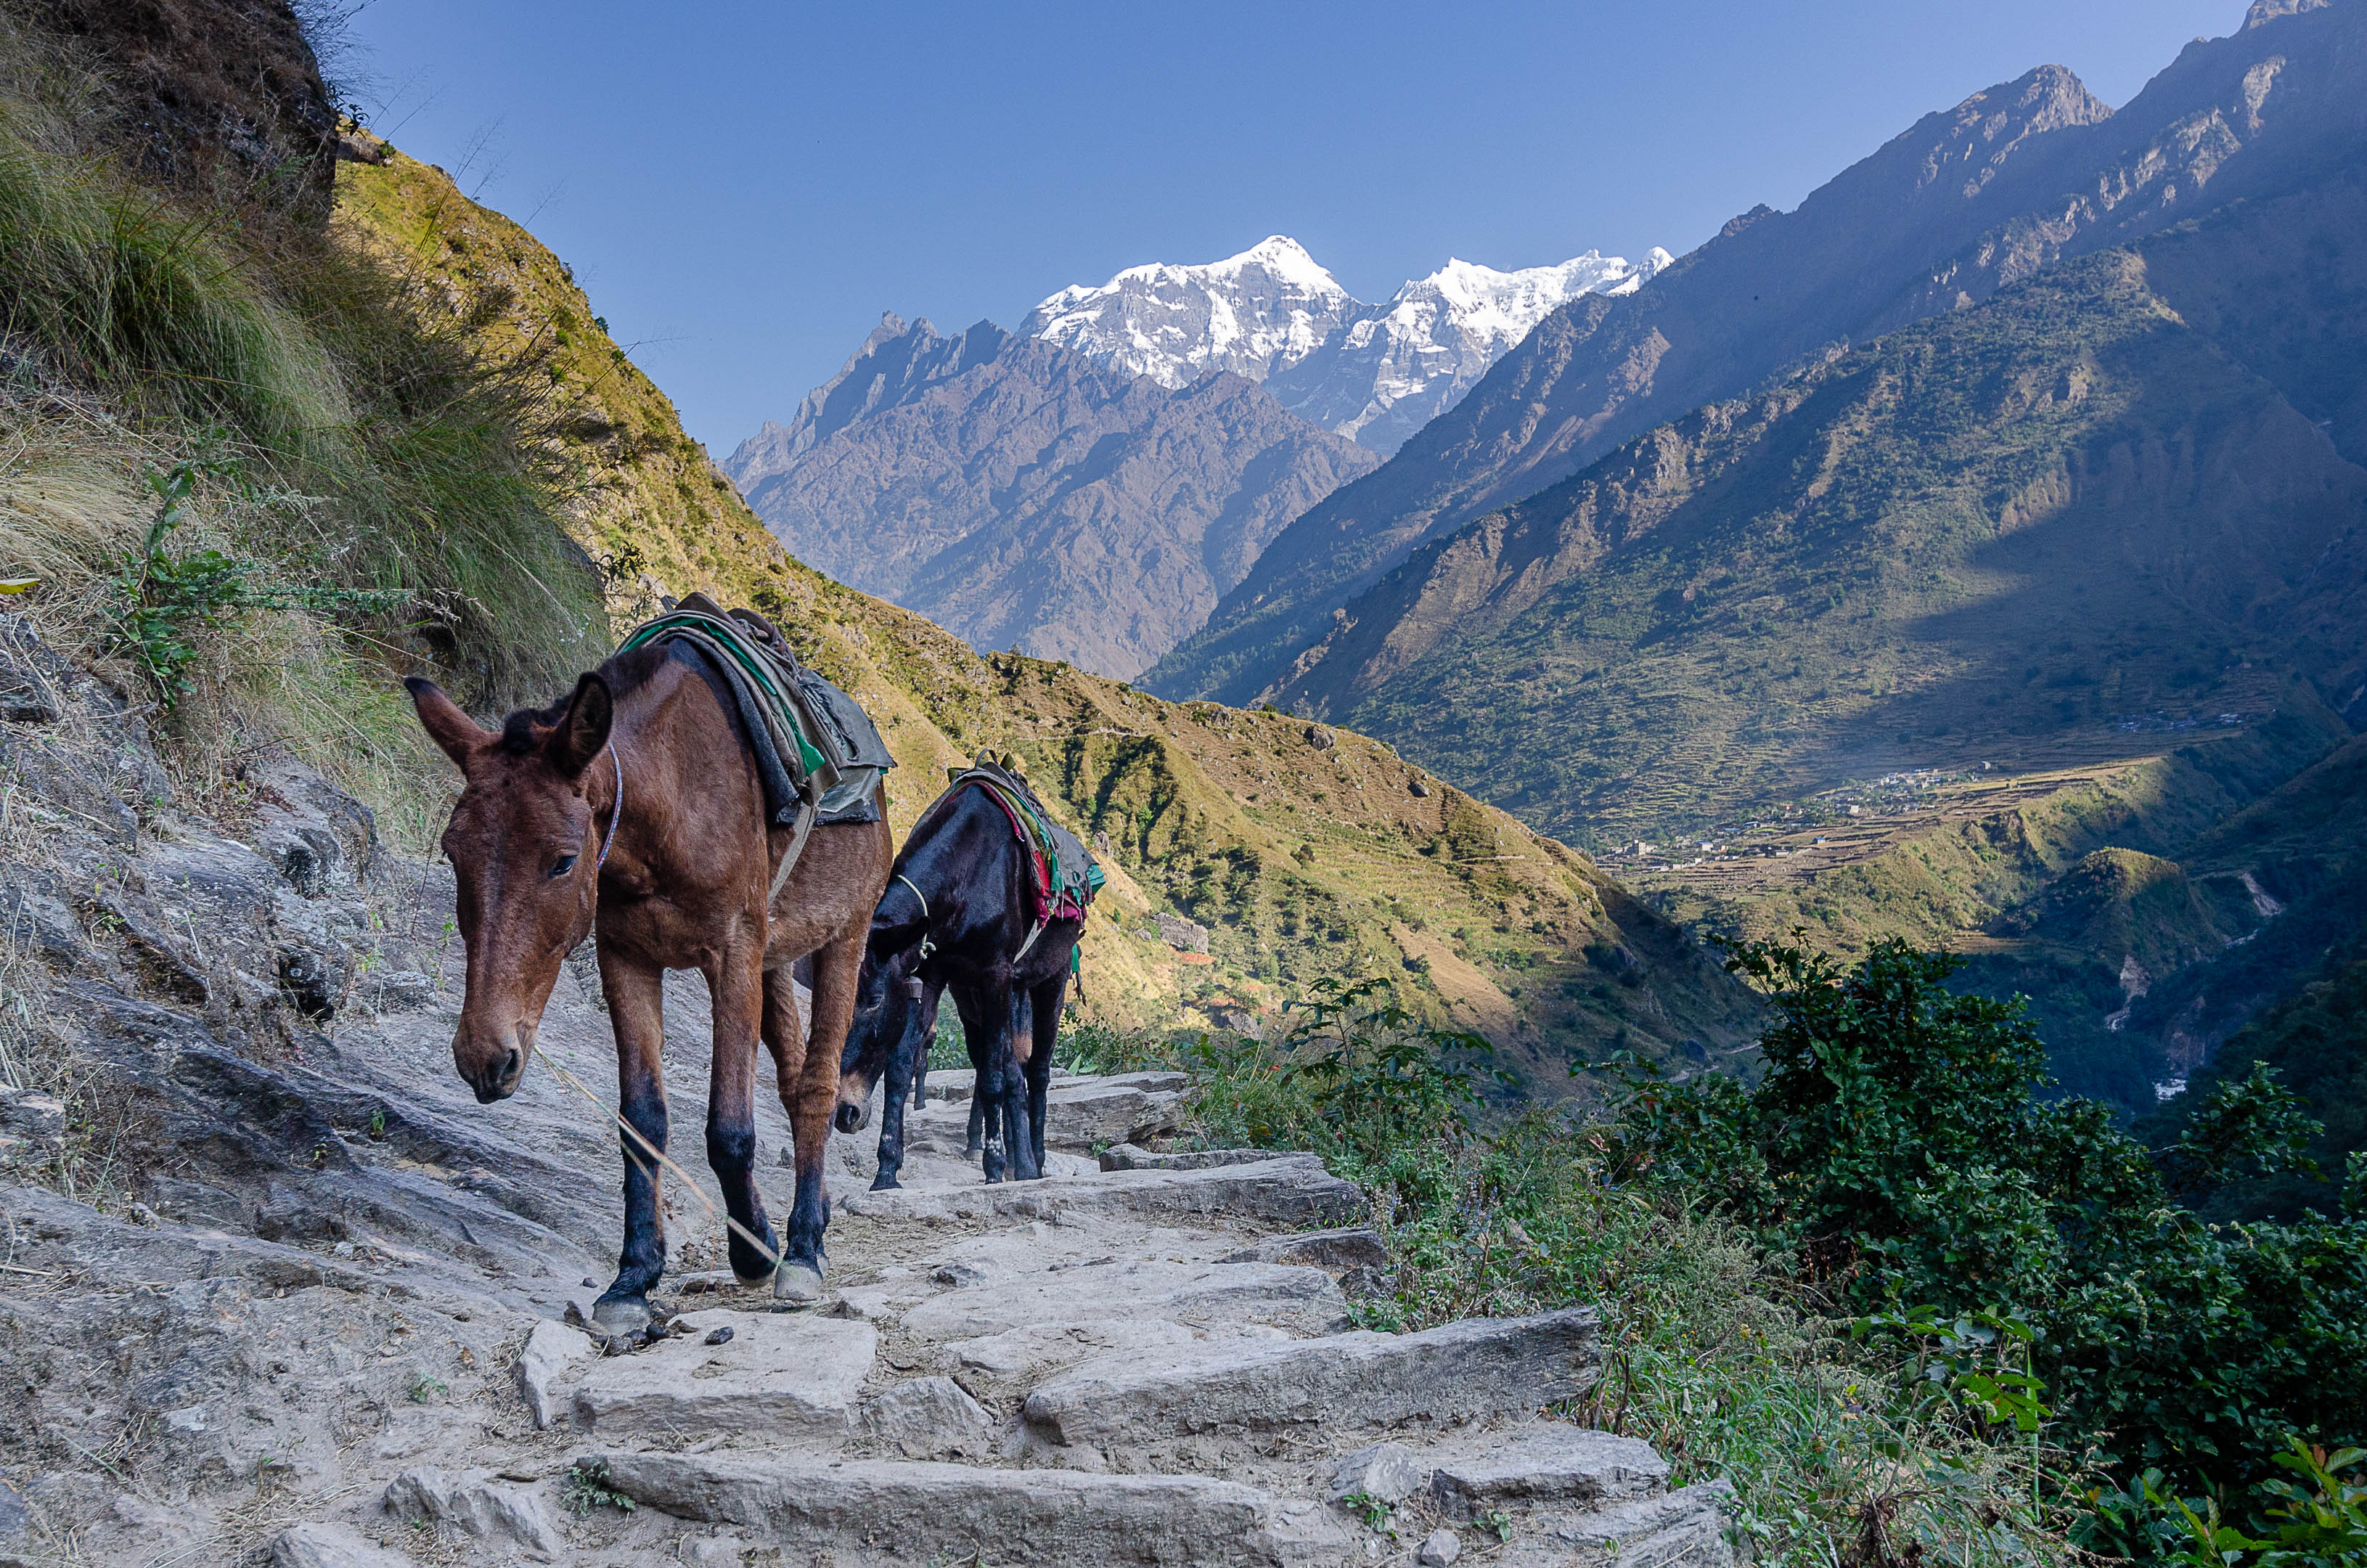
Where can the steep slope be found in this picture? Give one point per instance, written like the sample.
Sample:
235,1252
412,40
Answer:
1393,368
1376,373
1305,851
1961,204
1026,497
2033,523
2010,561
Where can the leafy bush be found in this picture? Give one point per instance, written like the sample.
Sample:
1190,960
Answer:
1898,1150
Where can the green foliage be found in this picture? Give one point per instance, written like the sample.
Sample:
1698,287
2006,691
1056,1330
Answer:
325,374
1899,1147
586,1488
163,600
1713,1352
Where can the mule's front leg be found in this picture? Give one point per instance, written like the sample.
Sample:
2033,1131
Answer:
736,984
919,1024
636,1010
811,1096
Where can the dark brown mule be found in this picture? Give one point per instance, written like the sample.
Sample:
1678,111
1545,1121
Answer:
683,887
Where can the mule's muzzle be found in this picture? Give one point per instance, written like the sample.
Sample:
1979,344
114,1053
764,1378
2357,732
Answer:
493,1069
851,1116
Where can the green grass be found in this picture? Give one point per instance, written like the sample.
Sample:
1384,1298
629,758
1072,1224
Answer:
1714,1352
376,451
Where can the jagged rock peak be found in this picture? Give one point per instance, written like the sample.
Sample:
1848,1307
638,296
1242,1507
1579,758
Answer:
2270,10
1266,308
1375,372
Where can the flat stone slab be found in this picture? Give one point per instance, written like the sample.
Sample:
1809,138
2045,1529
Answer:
1280,1192
1129,1157
779,1374
1549,1461
917,1512
1453,1373
1357,1248
1302,1298
1046,1347
1685,1528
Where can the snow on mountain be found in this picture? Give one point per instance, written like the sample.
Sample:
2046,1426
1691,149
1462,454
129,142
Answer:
1253,313
1374,373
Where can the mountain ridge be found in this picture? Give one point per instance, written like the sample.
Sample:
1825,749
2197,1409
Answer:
1027,496
1373,372
1969,199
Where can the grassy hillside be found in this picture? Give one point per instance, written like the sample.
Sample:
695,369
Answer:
1305,851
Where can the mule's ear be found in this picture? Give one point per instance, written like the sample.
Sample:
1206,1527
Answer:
584,731
445,723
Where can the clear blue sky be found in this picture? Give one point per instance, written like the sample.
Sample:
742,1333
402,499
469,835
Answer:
743,188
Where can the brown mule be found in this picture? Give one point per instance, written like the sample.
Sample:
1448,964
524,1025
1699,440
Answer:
687,862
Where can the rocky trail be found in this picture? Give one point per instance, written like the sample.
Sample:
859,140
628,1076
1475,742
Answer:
275,1289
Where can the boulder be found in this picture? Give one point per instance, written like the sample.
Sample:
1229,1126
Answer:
1388,1472
779,1374
953,1512
1440,1548
928,1418
329,1546
1440,1376
477,1504
553,1351
1183,935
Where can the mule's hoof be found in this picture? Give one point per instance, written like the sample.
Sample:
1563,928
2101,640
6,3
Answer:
750,1281
797,1283
885,1182
621,1316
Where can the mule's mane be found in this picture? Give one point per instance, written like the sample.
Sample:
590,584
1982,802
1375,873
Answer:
626,673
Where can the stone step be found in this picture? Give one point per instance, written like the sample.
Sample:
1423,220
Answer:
1302,1299
1082,1115
1549,1461
776,1374
1685,1528
1129,1157
1289,1190
896,1511
1457,1372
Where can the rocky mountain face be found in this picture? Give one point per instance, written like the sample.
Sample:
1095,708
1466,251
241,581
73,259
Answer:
1373,372
2084,564
1024,496
1963,202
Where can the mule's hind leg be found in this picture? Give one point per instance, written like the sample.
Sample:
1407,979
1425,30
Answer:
809,1094
737,984
983,1034
1018,1049
1044,1007
636,1011
920,1024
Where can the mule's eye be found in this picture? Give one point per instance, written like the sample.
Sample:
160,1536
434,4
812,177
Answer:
561,866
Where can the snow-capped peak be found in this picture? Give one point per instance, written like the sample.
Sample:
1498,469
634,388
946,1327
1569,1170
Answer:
1376,373
1270,306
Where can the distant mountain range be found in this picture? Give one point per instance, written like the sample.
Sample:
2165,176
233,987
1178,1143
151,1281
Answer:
1024,495
1376,373
2033,447
1086,489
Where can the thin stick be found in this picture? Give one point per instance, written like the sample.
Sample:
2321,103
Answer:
743,1231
